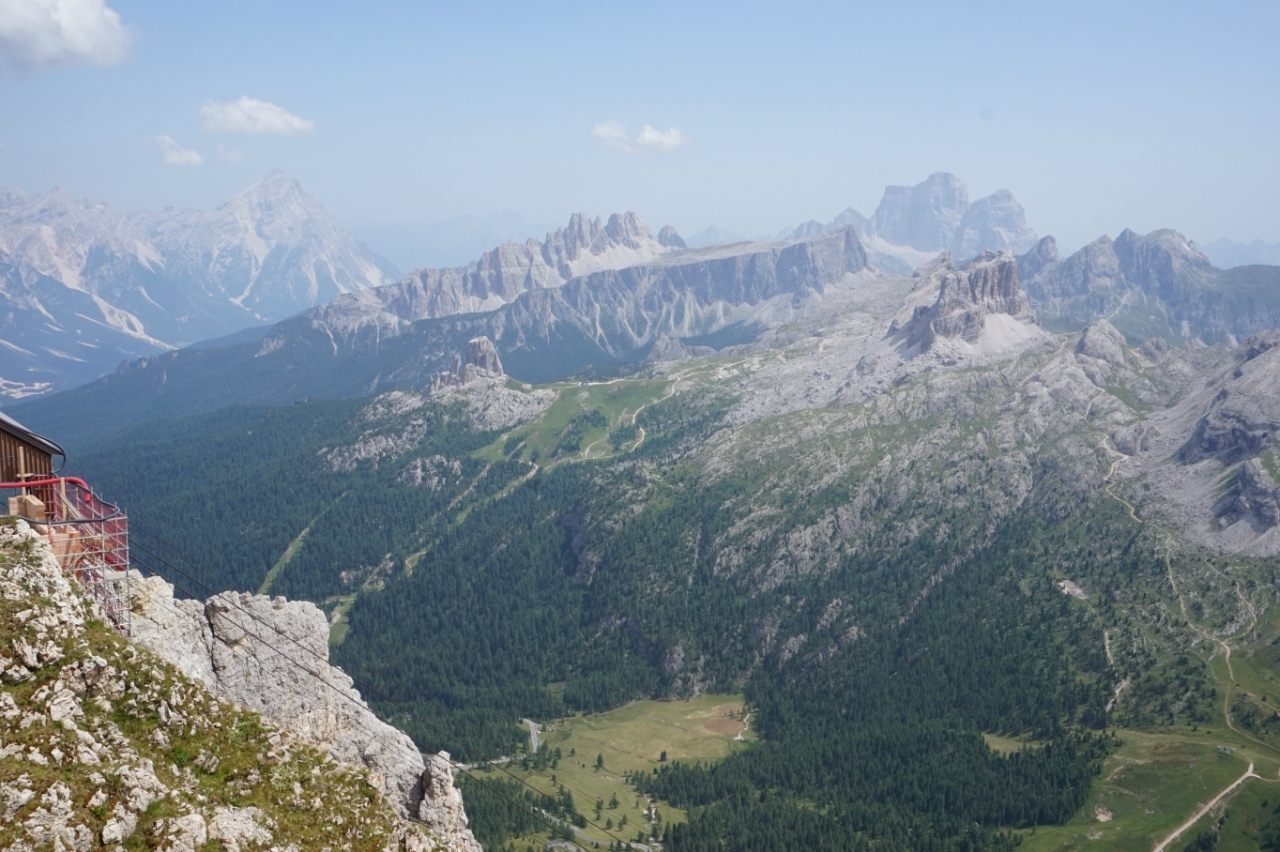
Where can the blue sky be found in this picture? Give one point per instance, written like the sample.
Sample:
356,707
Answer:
1097,115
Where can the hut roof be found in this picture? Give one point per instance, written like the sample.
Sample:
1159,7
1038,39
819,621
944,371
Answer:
22,433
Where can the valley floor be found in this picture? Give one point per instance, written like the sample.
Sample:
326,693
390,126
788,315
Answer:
630,739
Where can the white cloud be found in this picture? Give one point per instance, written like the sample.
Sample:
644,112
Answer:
38,34
661,140
176,154
230,154
614,134
250,115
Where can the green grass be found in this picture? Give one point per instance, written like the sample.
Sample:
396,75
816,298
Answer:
283,561
632,739
338,624
542,439
1008,745
1149,786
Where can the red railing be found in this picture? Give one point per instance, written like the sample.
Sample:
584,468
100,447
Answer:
89,537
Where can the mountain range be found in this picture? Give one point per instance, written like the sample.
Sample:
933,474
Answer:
974,542
84,286
988,546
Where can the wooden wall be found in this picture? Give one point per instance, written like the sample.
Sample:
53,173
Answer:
33,460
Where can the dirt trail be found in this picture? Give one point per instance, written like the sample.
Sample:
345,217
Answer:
1194,818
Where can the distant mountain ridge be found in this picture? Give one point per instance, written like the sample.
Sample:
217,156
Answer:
583,246
1157,285
84,286
914,223
1228,253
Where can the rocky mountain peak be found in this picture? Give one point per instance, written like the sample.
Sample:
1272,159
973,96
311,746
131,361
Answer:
1041,255
482,355
925,216
997,221
628,229
934,215
670,238
1153,257
481,362
981,304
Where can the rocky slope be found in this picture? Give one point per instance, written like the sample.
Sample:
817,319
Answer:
84,286
1157,285
159,743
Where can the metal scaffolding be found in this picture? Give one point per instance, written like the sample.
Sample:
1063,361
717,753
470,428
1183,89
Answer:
89,537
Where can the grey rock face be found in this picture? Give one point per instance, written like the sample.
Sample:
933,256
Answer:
670,238
1257,496
441,806
966,298
501,275
925,216
995,222
1159,284
619,313
1044,253
481,362
932,216
1243,418
482,354
271,656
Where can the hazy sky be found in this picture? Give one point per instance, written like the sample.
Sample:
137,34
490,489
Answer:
749,116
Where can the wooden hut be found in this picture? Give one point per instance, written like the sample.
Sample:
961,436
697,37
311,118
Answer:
26,457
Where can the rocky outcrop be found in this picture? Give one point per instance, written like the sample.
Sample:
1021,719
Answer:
1243,418
1099,349
670,238
481,362
967,299
1256,496
73,778
271,656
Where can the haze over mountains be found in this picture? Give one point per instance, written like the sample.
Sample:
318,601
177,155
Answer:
84,286
87,287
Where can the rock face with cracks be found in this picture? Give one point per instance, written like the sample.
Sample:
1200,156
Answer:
271,656
105,744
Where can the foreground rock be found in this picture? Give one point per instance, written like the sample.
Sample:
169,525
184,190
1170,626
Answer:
271,656
104,743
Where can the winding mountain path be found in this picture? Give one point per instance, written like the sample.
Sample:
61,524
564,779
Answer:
1194,818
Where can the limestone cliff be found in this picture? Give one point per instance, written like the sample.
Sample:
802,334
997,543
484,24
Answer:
981,304
104,743
271,656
